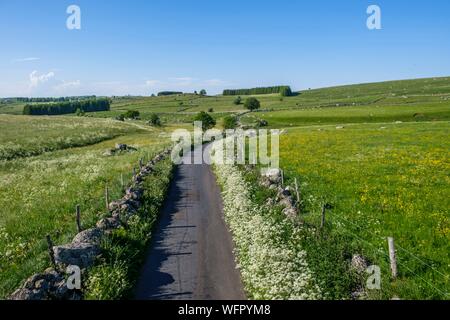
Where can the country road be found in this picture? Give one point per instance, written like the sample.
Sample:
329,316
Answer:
190,256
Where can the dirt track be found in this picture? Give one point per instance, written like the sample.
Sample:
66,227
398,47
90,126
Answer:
191,256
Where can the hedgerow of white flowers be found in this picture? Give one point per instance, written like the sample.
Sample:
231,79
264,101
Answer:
271,268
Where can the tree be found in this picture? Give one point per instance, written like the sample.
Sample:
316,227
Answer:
131,114
286,92
207,121
203,92
154,120
238,100
229,122
261,123
79,112
252,104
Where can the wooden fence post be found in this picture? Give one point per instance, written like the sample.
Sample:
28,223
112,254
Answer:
78,218
122,184
107,197
134,171
140,164
50,252
296,191
322,222
392,257
282,178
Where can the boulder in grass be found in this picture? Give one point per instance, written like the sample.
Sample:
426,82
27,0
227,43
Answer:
274,175
287,202
283,193
109,223
93,236
290,212
49,285
82,255
121,147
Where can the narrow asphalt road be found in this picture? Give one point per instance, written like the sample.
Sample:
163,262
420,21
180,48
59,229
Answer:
190,256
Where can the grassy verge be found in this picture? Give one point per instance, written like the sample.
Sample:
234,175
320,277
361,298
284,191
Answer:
270,257
123,250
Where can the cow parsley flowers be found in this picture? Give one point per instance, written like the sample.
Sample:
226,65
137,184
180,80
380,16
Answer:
270,266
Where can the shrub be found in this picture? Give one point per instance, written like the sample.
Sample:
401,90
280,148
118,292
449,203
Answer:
79,112
286,92
210,110
238,100
252,104
230,122
203,92
131,114
154,120
261,123
207,121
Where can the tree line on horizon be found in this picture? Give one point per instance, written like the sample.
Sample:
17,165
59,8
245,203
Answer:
47,99
66,107
283,90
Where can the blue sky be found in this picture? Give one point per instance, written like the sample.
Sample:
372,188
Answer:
141,47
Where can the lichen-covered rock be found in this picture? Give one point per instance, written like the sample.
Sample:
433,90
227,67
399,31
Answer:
273,187
290,212
287,202
121,146
82,255
49,285
109,223
135,204
93,235
114,205
273,174
284,193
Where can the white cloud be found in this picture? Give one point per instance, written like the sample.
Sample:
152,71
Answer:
182,79
36,79
215,82
67,85
153,83
26,59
